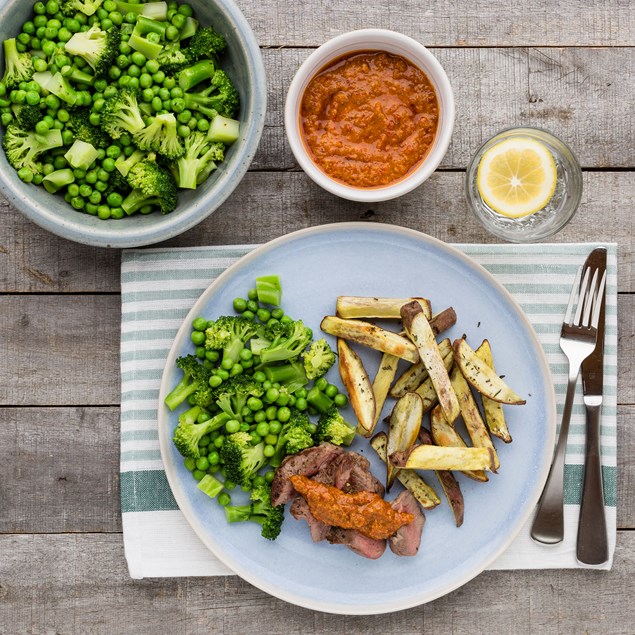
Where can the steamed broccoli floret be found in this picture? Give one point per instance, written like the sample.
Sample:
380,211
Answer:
116,183
28,116
152,185
161,136
124,164
121,114
205,43
221,97
230,334
200,158
173,59
195,377
88,7
23,147
18,67
232,395
296,435
318,359
333,428
188,433
241,459
288,341
99,48
260,511
80,126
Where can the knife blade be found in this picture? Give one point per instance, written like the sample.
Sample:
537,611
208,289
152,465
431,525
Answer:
592,543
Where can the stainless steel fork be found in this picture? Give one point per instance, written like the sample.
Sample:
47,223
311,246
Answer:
577,341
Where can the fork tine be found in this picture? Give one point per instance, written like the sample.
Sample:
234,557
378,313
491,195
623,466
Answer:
595,320
589,300
583,288
572,296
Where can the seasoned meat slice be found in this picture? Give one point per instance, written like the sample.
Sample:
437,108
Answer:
306,463
300,511
361,545
406,540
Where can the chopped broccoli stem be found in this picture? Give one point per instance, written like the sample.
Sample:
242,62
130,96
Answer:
224,129
292,373
80,77
147,25
189,28
81,154
210,486
319,400
155,10
196,74
150,49
58,85
56,180
269,290
129,7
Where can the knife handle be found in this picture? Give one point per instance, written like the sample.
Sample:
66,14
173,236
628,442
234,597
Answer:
592,547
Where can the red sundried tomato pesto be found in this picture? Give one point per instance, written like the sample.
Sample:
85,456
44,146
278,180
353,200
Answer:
369,119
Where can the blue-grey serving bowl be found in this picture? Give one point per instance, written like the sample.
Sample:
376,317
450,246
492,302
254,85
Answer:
243,63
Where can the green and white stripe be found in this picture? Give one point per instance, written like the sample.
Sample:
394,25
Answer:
160,285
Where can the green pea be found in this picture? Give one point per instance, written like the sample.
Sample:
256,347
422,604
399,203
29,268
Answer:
239,305
269,475
25,175
223,374
340,400
103,212
331,391
183,131
301,404
190,464
271,413
284,414
197,338
233,425
152,66
215,381
213,356
199,324
213,457
85,190
224,499
198,475
262,429
260,377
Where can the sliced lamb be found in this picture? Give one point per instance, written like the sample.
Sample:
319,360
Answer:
406,541
300,511
306,463
361,545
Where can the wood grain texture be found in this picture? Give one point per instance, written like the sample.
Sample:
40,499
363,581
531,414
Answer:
269,204
61,350
72,454
582,95
60,471
79,584
448,23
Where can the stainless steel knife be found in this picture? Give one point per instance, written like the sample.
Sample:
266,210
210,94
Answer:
592,545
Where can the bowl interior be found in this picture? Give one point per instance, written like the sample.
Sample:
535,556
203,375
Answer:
372,40
243,63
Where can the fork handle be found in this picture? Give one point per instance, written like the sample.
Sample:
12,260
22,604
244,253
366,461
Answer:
592,547
548,525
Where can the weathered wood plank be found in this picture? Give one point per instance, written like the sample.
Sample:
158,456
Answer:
268,205
59,350
447,23
78,584
60,470
582,95
65,351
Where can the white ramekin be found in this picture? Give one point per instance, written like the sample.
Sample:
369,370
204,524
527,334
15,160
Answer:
371,40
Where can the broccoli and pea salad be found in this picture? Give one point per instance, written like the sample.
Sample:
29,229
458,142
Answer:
116,105
253,391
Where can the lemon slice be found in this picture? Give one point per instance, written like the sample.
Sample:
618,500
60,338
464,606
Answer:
517,177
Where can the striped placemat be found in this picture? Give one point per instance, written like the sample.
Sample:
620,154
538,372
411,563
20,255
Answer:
158,287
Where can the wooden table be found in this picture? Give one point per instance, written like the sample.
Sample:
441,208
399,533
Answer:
564,65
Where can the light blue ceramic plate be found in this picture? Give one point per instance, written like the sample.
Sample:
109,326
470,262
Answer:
316,265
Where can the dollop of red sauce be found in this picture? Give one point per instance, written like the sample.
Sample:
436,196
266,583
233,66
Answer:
369,119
